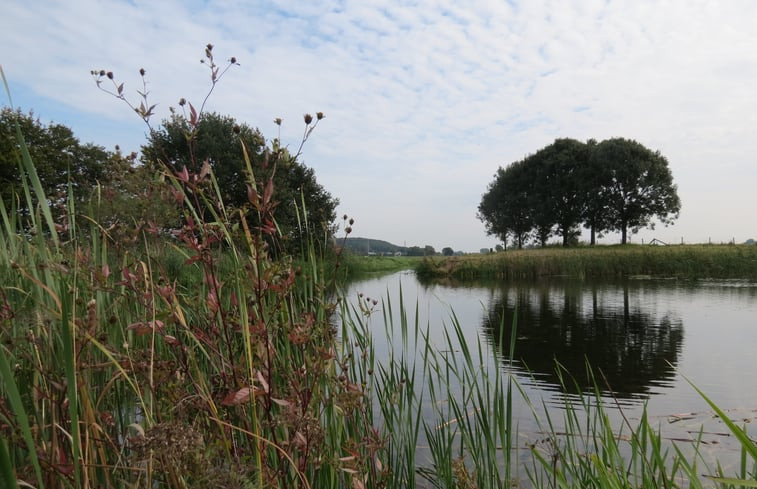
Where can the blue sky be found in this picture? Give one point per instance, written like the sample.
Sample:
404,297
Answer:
423,99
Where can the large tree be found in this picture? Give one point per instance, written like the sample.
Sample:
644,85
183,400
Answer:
58,156
639,185
216,139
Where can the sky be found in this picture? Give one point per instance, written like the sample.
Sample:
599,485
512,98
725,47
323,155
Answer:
423,99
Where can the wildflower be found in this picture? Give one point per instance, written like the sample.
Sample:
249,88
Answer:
308,118
319,115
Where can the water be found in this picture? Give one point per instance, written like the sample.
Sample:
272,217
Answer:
643,338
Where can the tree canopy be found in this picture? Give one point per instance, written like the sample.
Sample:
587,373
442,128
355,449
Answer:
216,139
616,185
58,156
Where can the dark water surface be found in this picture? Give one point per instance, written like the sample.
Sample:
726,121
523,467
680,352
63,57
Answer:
642,338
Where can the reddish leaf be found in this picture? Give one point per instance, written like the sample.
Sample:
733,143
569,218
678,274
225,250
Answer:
238,397
192,115
171,340
183,175
263,382
268,192
205,169
143,328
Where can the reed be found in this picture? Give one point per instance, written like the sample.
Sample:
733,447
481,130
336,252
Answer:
682,261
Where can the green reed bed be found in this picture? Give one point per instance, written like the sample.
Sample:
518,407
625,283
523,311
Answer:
685,261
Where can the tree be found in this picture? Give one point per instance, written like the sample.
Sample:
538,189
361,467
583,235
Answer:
57,154
429,250
639,185
216,140
594,183
505,208
447,251
556,197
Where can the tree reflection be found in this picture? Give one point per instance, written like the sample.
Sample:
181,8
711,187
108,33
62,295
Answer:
629,349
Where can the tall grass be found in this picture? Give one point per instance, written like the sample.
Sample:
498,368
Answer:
207,362
684,261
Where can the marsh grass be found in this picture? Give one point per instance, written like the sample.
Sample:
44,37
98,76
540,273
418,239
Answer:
682,261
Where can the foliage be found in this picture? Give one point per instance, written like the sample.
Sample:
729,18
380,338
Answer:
638,185
615,185
216,139
59,159
505,207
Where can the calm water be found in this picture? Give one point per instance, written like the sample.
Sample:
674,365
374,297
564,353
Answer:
644,336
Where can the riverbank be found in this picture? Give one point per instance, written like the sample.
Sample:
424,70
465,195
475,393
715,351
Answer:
358,266
681,261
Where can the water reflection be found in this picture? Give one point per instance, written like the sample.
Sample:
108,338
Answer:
629,348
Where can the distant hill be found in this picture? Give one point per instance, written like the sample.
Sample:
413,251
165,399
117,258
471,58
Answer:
363,246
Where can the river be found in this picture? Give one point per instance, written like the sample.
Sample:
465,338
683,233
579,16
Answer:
643,339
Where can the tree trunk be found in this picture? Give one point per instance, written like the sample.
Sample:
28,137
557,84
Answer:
623,234
593,235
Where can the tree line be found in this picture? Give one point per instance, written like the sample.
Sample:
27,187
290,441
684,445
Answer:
617,185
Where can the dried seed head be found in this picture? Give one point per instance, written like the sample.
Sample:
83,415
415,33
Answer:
237,129
344,217
319,115
233,60
109,75
209,47
142,71
308,118
352,221
348,230
182,101
102,72
277,121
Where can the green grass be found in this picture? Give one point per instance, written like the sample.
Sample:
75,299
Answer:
683,261
360,266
